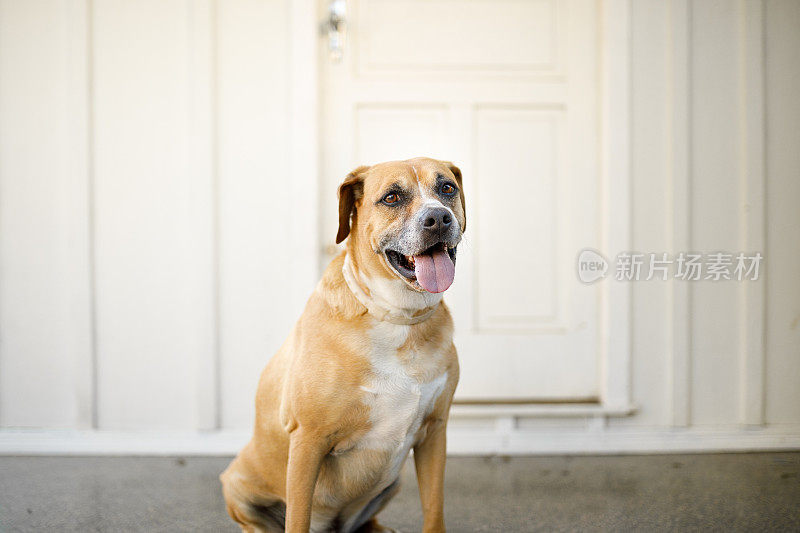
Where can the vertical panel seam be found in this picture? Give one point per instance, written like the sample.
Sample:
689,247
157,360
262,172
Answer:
681,219
215,215
752,212
91,201
202,84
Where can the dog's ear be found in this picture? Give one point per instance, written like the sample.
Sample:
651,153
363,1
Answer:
351,189
457,173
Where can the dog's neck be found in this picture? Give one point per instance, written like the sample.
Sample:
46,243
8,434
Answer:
386,299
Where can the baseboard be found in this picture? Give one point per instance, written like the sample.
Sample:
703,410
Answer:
69,442
610,441
461,441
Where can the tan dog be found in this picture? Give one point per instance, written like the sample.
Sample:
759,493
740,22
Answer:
369,370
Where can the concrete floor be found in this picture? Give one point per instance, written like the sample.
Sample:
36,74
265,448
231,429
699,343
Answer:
724,492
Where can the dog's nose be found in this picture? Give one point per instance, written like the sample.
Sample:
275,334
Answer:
437,220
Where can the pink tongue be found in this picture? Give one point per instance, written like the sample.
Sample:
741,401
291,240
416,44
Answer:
435,272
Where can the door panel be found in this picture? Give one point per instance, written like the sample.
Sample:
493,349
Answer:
414,130
507,91
520,147
469,40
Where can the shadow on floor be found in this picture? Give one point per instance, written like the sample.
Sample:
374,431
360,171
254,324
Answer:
723,492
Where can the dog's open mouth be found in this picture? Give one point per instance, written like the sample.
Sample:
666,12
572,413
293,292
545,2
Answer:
434,268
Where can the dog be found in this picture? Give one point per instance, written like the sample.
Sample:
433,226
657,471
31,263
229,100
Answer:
369,370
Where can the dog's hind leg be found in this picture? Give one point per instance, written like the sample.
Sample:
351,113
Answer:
252,508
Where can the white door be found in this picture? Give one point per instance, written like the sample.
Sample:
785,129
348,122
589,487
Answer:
507,90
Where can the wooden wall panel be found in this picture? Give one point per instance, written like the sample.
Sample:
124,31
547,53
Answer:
782,383
151,305
651,207
712,154
45,327
254,197
715,172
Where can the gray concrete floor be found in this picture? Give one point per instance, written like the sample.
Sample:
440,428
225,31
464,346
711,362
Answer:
723,492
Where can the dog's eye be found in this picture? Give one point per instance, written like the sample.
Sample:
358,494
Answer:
448,190
391,198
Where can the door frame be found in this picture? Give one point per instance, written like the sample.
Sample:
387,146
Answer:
615,301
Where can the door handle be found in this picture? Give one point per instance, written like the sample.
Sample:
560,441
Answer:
334,29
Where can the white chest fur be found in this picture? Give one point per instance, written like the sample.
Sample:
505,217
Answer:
399,401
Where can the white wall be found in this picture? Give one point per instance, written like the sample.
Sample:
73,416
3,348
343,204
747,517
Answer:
145,157
144,169
715,167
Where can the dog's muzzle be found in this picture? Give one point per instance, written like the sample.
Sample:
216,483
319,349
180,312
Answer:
427,250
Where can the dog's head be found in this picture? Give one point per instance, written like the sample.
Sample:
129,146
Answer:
408,216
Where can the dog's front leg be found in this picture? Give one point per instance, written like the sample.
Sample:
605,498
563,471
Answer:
429,459
305,457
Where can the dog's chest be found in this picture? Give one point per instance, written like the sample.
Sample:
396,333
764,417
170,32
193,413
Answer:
398,405
400,394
